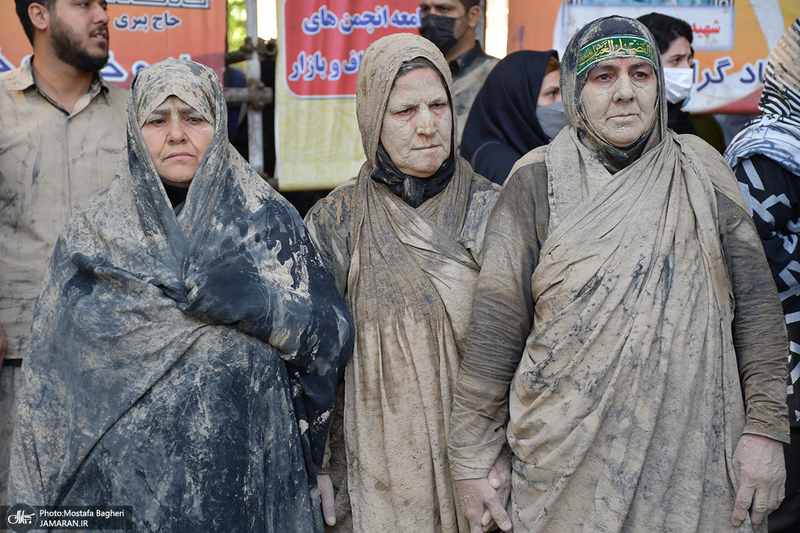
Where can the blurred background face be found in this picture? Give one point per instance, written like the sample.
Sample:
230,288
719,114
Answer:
678,55
447,23
177,137
444,8
550,92
619,98
418,123
678,74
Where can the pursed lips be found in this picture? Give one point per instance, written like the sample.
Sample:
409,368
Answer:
177,154
625,115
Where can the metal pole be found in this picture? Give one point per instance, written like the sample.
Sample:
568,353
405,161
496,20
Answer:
255,140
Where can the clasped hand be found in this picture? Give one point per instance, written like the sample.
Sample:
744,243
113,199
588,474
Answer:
484,499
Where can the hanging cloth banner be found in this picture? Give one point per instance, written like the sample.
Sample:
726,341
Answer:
731,38
141,32
320,44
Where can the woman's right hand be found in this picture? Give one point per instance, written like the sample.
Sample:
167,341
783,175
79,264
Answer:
482,505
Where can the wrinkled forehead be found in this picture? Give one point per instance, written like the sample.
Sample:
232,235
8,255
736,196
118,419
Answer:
613,47
148,105
421,78
174,103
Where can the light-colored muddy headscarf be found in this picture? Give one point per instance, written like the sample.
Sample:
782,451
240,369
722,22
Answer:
609,38
776,133
170,80
376,74
188,363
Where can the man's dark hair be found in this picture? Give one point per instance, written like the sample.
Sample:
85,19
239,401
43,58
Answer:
666,29
22,13
469,3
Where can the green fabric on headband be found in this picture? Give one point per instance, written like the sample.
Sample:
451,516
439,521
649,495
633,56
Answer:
615,46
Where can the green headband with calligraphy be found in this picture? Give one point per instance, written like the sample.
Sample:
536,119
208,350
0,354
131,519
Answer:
615,46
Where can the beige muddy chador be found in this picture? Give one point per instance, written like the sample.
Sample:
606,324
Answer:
407,274
623,308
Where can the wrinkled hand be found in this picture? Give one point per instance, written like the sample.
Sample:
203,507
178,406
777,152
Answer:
481,501
500,479
761,473
326,495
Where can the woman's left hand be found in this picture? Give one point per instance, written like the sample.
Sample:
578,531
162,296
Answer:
328,499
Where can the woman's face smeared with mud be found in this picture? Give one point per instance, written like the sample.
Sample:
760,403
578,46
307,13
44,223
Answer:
619,99
417,124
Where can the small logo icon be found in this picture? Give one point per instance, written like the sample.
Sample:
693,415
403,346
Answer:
21,518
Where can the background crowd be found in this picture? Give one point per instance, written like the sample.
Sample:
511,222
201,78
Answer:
544,303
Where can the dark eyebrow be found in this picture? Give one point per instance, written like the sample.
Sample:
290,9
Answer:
404,105
640,64
415,103
604,67
188,110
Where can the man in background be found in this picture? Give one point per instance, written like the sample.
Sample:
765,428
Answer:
450,25
63,131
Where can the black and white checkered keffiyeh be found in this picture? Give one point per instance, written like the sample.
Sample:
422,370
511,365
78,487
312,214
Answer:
776,133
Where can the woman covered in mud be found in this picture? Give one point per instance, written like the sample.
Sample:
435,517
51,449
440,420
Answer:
627,339
187,341
404,241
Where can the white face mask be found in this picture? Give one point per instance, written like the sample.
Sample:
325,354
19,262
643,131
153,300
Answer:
678,82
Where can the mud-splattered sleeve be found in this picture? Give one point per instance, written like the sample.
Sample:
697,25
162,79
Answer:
483,195
501,322
328,225
759,333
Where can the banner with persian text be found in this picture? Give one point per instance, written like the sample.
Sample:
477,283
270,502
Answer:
320,46
732,39
141,32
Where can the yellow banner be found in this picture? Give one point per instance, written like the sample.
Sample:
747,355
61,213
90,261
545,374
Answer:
317,141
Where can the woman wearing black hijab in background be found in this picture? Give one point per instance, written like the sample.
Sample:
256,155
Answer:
518,109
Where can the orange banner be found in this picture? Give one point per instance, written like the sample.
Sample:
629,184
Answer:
732,39
141,32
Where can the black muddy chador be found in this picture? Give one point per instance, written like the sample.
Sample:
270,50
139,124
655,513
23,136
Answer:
183,364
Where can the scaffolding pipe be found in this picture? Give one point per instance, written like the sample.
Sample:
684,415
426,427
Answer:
255,135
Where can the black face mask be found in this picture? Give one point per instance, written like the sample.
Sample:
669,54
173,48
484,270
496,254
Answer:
440,31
